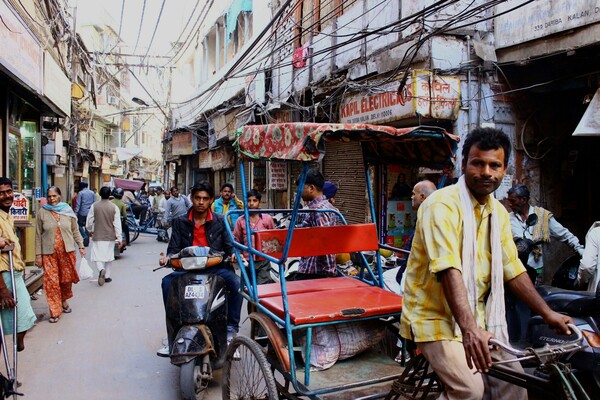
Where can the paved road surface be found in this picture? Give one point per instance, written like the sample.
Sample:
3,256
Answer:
106,348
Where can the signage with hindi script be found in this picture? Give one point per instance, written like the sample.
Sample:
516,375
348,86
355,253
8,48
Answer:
20,208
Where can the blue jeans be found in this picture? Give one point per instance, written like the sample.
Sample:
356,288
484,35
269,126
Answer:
234,298
81,220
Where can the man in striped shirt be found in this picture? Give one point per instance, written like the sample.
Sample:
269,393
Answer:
312,194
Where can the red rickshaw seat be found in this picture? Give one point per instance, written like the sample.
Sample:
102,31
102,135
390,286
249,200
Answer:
311,285
336,304
318,240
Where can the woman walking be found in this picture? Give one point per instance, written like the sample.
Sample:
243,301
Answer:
57,233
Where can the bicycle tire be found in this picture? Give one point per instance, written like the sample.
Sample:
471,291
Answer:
134,231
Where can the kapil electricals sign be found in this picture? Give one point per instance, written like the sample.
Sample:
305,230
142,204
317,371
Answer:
424,94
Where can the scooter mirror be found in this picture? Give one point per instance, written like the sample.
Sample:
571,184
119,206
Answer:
531,220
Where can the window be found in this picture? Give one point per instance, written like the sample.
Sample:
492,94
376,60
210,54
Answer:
313,15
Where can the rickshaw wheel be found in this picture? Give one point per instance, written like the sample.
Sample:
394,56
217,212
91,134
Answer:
133,231
247,373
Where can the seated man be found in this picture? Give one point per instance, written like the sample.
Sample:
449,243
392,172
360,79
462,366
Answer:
201,227
312,194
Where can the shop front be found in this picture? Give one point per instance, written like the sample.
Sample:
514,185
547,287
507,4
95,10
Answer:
427,98
31,91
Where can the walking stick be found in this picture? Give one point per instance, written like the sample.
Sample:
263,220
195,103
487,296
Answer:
9,385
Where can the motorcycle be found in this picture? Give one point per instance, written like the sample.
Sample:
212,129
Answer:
196,314
583,307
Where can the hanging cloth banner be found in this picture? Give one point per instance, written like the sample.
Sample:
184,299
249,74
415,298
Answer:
238,7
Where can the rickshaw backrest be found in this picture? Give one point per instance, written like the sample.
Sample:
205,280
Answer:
318,241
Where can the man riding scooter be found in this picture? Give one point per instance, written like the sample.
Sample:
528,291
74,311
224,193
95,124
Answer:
201,227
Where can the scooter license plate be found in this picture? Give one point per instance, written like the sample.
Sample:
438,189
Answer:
194,292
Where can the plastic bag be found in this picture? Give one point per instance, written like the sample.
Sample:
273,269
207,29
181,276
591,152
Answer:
85,271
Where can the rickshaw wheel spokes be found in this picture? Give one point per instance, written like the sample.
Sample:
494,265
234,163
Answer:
247,374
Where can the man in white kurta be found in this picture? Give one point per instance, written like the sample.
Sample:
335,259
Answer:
104,224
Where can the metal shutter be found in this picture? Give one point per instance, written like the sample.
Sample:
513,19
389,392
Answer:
343,165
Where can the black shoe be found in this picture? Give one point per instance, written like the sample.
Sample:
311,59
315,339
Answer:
107,280
101,278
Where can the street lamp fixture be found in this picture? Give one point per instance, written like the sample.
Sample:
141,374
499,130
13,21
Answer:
139,101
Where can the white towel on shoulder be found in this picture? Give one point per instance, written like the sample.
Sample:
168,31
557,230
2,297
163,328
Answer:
495,317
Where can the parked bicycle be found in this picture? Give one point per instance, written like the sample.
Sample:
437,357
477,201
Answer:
152,225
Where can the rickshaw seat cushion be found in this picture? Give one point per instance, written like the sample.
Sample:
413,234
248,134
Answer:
311,285
318,240
336,304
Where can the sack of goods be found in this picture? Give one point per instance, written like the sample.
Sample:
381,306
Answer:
339,342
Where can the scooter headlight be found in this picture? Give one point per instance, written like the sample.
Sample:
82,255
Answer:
191,263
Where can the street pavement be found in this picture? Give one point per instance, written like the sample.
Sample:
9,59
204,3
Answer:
106,348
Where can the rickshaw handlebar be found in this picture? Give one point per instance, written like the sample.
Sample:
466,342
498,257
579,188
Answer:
546,350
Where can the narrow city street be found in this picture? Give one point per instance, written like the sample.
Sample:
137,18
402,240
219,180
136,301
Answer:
106,348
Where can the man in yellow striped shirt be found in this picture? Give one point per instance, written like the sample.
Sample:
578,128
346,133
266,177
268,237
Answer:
451,331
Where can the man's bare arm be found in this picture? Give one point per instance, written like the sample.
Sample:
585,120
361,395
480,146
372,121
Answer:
525,291
475,340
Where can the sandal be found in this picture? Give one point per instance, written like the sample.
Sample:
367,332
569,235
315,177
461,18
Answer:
53,320
67,309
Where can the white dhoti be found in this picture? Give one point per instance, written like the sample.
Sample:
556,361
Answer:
103,253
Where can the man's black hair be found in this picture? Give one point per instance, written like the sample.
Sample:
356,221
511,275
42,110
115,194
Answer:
255,193
487,139
83,185
227,184
520,191
314,177
6,181
203,186
105,192
173,187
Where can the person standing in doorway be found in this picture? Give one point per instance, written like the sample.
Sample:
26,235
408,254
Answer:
587,275
104,223
56,236
25,315
547,227
85,199
228,201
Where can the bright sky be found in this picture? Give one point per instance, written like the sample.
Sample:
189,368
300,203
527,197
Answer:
134,29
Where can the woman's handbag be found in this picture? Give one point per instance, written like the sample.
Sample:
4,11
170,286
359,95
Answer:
85,271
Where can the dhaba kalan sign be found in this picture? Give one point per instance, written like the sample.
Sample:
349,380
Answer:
424,94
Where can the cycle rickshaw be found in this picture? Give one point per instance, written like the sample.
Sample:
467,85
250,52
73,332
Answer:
267,366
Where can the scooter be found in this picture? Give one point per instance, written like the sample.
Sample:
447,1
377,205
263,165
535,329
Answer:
196,314
583,307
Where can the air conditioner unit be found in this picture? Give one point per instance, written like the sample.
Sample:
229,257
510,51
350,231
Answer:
112,100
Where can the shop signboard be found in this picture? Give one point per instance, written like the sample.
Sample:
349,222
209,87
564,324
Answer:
181,144
543,18
436,96
57,87
424,94
277,176
20,207
376,108
20,52
217,160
